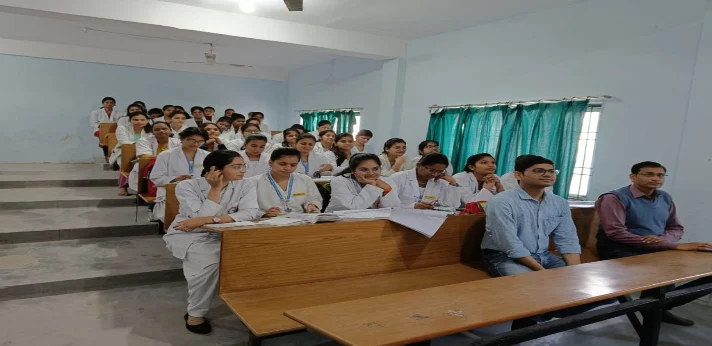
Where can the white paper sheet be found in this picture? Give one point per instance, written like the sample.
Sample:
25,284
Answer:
281,221
366,214
425,222
232,224
582,204
314,217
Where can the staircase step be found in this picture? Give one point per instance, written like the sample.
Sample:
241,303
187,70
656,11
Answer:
63,197
59,267
34,179
40,225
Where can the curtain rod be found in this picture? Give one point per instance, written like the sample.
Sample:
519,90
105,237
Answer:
592,98
331,109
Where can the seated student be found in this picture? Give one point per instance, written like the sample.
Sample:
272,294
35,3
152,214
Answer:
256,159
289,139
279,138
224,125
178,164
238,143
424,148
214,141
210,114
282,191
198,117
361,186
393,159
509,180
428,185
123,119
155,114
106,114
478,181
137,129
361,143
256,121
229,112
180,108
220,196
238,120
167,110
152,146
640,219
323,125
341,153
311,163
141,104
178,125
263,126
326,141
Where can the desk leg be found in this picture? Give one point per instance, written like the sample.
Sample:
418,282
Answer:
652,318
632,317
255,341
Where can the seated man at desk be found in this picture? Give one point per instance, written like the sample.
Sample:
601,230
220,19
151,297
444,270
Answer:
640,219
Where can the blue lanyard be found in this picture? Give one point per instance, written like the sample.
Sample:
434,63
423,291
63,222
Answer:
278,190
191,164
306,166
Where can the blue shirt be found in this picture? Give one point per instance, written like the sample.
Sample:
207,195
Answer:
520,226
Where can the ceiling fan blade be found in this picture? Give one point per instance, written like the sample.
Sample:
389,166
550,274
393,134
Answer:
294,5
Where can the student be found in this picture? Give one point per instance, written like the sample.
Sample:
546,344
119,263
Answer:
167,110
279,138
238,143
198,115
178,164
141,104
256,159
180,108
106,114
341,153
256,121
210,114
214,141
478,181
361,142
310,163
238,120
361,186
229,112
393,159
224,125
159,142
123,120
282,191
323,125
263,126
326,142
136,129
289,139
427,185
424,148
219,196
640,219
509,180
155,114
177,122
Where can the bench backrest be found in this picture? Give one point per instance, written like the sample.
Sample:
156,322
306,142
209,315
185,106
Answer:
142,162
111,141
172,206
104,130
586,221
128,155
276,132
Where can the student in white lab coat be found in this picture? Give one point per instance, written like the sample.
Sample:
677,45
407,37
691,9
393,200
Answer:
312,164
150,146
167,110
279,138
321,126
478,181
256,159
361,142
178,119
155,115
361,186
424,148
289,139
326,142
393,159
263,125
341,153
210,114
123,118
198,117
238,144
282,191
224,126
214,142
510,182
105,114
220,196
137,129
178,164
428,185
237,121
256,121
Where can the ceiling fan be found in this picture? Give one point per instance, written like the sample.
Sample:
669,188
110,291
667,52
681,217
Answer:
211,59
295,5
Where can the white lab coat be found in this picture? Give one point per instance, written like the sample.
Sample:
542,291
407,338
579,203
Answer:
176,134
278,138
315,161
99,116
409,192
200,249
124,135
347,194
265,129
510,182
255,168
147,146
471,188
169,165
319,148
366,149
304,192
191,122
386,168
414,161
337,168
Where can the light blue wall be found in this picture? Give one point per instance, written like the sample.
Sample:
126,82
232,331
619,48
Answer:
46,103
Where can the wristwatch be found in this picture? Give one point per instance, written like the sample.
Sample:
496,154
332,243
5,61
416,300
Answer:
216,219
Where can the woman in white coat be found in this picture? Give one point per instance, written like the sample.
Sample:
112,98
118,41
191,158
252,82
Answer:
326,142
478,181
123,118
282,191
220,196
256,159
178,164
393,159
428,185
361,143
105,114
312,164
159,142
341,153
238,143
288,139
361,186
136,129
424,148
178,119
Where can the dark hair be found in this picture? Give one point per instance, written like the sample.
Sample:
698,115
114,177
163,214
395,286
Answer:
156,111
254,114
179,107
108,98
340,155
224,120
229,109
209,107
434,159
323,122
252,138
298,127
133,105
306,135
160,122
193,131
174,113
646,164
322,133
168,106
282,152
389,143
424,144
246,126
524,162
366,133
284,135
472,160
356,161
206,125
194,108
236,116
140,104
253,120
218,159
137,113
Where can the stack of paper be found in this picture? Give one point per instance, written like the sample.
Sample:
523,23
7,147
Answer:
367,214
315,217
425,222
281,221
232,224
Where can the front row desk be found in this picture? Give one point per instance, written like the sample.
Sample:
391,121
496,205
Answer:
378,283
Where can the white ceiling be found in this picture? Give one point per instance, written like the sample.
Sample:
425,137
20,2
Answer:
403,19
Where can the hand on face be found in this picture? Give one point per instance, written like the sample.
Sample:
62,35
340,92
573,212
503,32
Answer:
215,178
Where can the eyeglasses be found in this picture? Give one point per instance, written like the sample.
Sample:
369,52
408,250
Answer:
432,146
364,170
435,171
195,141
239,167
541,171
650,175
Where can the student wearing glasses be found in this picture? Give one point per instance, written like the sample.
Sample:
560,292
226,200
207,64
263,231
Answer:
361,186
424,148
509,180
428,185
639,219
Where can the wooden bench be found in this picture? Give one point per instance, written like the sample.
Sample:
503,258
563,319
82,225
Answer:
172,206
104,130
142,163
128,156
111,142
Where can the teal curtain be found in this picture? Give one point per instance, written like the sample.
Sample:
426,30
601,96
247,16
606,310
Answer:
481,131
445,127
342,121
345,121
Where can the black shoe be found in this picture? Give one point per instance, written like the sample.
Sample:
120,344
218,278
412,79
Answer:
203,328
523,323
668,317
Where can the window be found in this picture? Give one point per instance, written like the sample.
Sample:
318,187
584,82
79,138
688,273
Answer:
584,154
356,127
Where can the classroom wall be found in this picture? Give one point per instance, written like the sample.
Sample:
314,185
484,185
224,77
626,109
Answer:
46,103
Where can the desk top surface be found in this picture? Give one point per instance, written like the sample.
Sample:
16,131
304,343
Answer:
425,314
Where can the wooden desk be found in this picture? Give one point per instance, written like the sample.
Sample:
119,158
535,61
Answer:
128,155
111,142
142,163
426,314
172,206
104,130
